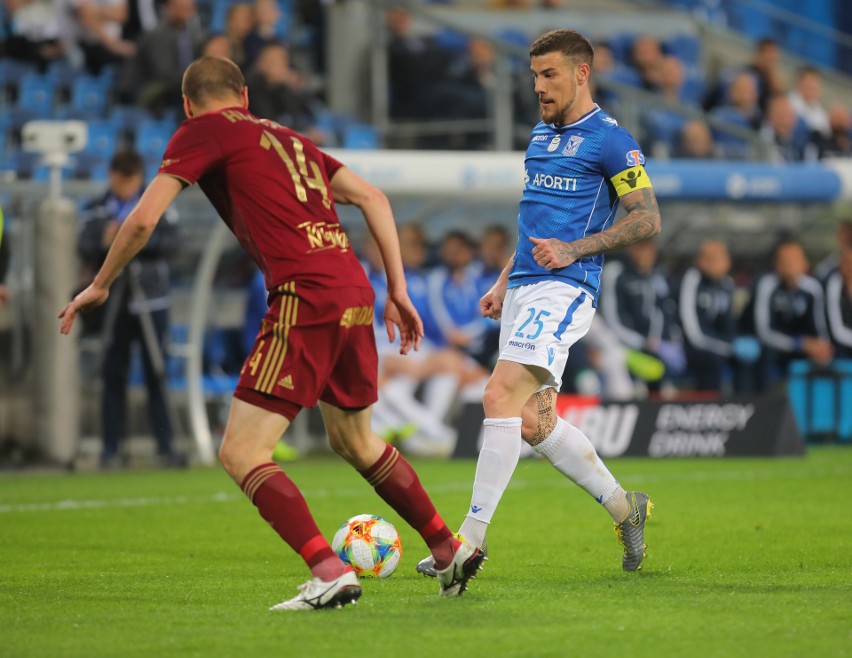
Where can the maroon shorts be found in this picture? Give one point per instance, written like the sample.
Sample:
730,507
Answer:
314,344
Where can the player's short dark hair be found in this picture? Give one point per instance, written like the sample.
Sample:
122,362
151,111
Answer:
212,78
766,42
126,162
570,43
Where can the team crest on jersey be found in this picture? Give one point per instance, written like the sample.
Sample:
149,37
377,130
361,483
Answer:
635,158
573,144
554,144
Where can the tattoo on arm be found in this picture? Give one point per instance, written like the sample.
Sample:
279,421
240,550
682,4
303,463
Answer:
641,222
546,416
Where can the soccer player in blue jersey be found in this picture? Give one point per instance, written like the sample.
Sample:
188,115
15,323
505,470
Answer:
579,165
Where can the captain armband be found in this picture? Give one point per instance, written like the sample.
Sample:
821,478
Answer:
630,180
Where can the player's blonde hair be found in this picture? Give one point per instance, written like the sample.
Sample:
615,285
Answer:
212,78
570,43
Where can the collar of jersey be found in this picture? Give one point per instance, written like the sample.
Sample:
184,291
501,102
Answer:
583,118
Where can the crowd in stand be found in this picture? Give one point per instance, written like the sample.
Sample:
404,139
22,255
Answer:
137,49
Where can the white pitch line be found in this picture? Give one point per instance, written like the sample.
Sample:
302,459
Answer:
71,505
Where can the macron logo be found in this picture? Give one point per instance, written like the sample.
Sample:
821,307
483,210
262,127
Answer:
550,356
475,509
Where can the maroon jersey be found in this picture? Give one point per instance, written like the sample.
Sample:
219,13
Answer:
271,187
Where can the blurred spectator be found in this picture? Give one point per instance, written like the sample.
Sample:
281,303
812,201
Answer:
32,31
695,141
137,311
154,73
838,301
238,25
646,56
637,305
95,26
428,81
742,110
806,99
843,240
839,142
706,310
416,65
787,314
142,16
217,45
454,294
420,425
765,66
494,251
5,293
265,29
277,91
662,125
786,133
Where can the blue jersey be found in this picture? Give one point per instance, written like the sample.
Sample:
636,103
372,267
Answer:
573,178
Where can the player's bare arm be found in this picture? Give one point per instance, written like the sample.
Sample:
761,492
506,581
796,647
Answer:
133,235
348,187
491,303
641,222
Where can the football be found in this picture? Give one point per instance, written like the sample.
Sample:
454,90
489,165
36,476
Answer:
369,544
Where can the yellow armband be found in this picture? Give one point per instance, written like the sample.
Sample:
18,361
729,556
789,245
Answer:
630,180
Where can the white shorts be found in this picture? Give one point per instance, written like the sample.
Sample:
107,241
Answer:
539,324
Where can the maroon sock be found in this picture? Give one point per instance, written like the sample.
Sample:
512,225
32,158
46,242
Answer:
398,485
281,504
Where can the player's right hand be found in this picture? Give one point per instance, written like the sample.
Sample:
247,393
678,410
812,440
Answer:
491,304
401,313
90,298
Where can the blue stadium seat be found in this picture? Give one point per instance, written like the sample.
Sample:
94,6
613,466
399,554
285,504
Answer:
128,117
89,95
152,137
103,138
35,96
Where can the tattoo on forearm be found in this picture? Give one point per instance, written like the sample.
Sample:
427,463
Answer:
641,222
546,416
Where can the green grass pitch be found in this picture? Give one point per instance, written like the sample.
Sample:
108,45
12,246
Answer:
746,558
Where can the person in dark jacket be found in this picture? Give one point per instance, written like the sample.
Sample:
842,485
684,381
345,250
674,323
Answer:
138,308
705,309
637,304
838,301
787,315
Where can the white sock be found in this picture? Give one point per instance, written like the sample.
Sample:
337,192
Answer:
439,393
401,399
501,446
573,455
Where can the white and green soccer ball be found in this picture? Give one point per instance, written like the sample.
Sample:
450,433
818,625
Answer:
369,544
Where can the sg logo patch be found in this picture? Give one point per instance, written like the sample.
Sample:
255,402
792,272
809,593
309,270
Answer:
635,158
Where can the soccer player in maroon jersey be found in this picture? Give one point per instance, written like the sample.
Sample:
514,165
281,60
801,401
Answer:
276,191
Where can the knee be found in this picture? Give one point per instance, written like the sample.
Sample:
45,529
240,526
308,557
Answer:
494,398
227,458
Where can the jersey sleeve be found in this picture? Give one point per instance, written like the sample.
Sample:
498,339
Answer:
623,163
191,152
330,164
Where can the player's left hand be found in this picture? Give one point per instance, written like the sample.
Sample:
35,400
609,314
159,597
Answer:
551,253
401,313
89,299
